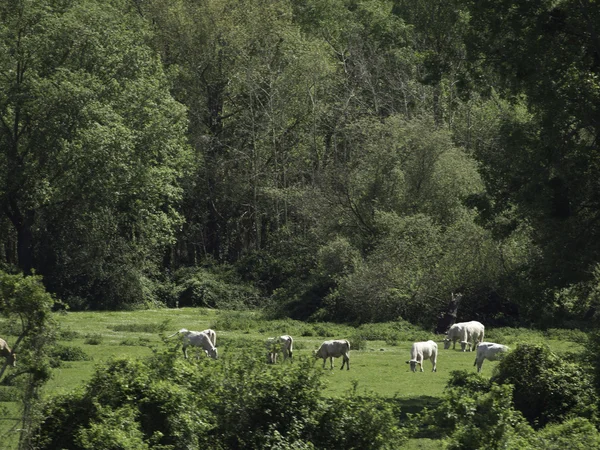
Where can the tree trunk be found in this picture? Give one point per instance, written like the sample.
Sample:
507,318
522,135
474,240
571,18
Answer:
23,223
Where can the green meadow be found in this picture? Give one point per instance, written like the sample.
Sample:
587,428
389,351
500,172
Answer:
377,359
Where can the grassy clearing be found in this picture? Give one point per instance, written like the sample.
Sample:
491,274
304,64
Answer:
377,360
378,366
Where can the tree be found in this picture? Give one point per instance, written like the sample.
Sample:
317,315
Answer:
546,59
255,87
93,147
25,303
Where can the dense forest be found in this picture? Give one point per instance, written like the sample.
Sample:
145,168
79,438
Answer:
343,160
364,162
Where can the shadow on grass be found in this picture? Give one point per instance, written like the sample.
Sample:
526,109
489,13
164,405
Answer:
414,405
409,408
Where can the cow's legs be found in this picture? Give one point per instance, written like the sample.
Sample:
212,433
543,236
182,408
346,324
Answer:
346,361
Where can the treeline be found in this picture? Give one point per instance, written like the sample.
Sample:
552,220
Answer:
344,159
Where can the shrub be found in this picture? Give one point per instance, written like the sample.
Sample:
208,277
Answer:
358,422
547,388
477,414
488,421
357,342
93,339
470,381
199,287
574,434
69,353
237,402
67,335
141,342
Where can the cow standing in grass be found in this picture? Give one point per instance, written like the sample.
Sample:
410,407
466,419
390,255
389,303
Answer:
490,351
6,352
335,349
282,344
420,351
197,339
468,333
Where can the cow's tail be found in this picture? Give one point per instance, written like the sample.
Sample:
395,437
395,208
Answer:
183,330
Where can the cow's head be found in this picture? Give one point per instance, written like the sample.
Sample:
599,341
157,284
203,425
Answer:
213,353
413,364
447,343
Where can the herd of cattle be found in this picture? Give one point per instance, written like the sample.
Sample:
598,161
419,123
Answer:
470,335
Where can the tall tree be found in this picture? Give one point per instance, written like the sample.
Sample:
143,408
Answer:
546,165
254,86
92,145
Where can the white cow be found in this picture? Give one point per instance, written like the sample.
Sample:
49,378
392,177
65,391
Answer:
197,339
465,332
455,333
212,336
335,349
6,352
420,351
491,351
275,345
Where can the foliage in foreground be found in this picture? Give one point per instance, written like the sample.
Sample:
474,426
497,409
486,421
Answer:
477,413
548,388
27,307
169,403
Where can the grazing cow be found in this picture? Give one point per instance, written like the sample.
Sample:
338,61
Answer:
197,339
466,332
335,349
420,351
491,351
212,336
455,333
283,344
6,352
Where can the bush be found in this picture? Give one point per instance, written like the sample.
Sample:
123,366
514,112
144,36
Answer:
357,422
477,414
200,287
93,339
69,353
574,434
547,388
470,381
239,402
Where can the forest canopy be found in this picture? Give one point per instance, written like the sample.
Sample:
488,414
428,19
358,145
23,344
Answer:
343,160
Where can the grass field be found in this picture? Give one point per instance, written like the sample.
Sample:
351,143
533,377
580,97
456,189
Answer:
377,367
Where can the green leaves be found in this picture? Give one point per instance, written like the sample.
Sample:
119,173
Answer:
97,148
168,403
